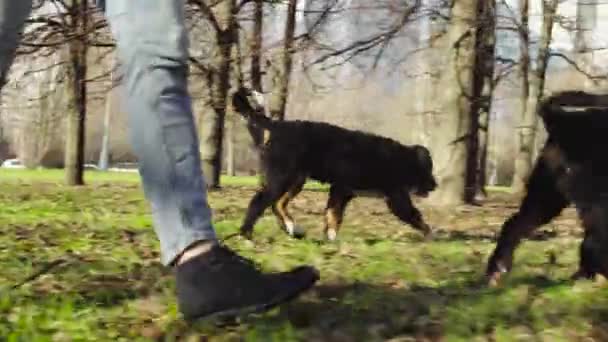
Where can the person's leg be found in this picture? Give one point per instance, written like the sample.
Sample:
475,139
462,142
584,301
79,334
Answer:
12,18
153,53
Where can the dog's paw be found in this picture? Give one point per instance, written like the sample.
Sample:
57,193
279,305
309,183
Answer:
583,275
294,230
247,234
428,235
331,234
493,280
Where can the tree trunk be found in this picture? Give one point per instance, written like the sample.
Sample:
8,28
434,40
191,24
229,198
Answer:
212,129
104,155
532,88
456,81
256,45
230,168
483,90
278,101
586,20
75,131
256,66
3,142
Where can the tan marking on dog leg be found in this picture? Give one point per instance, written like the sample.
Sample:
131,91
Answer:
280,209
266,137
332,223
368,194
334,212
277,209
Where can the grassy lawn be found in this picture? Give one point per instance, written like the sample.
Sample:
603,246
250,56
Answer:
56,176
82,264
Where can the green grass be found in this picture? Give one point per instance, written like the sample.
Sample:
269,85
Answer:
379,282
94,177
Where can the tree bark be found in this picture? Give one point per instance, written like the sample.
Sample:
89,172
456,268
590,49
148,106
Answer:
586,21
532,87
230,133
212,128
104,155
483,90
3,142
278,101
456,81
256,45
75,130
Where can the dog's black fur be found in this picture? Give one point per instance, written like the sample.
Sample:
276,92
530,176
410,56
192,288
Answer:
351,161
572,168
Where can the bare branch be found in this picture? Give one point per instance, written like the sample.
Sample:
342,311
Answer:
206,10
380,39
593,78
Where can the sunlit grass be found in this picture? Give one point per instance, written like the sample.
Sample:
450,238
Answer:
379,281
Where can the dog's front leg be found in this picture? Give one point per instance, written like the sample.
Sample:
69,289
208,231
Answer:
400,204
334,212
280,211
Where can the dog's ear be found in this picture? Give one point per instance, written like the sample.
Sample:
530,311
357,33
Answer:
423,155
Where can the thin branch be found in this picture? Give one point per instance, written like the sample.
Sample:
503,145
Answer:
46,68
593,78
363,45
206,10
45,269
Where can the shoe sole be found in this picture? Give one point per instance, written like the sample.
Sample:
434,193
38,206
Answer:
253,309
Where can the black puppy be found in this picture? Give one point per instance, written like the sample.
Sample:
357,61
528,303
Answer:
353,162
572,168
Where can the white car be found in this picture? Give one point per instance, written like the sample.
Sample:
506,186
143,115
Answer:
12,164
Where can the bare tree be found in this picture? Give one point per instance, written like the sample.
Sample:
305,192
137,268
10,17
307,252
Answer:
223,20
39,124
3,140
586,20
104,154
453,136
483,90
533,84
256,45
278,101
75,129
68,28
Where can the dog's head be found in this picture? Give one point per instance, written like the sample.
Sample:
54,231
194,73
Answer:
426,181
246,100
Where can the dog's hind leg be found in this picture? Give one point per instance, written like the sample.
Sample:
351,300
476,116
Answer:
285,220
334,212
274,187
594,247
400,204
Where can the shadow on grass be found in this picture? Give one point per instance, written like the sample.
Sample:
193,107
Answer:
99,283
376,312
489,236
331,312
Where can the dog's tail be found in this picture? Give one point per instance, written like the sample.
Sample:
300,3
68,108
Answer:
258,124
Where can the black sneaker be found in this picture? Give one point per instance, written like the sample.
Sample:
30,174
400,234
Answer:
221,283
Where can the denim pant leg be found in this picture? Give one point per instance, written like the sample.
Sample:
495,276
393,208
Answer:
12,17
153,52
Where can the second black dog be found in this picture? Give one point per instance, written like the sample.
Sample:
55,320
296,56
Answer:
353,162
571,169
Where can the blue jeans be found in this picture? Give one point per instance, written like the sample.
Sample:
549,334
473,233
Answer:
152,46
